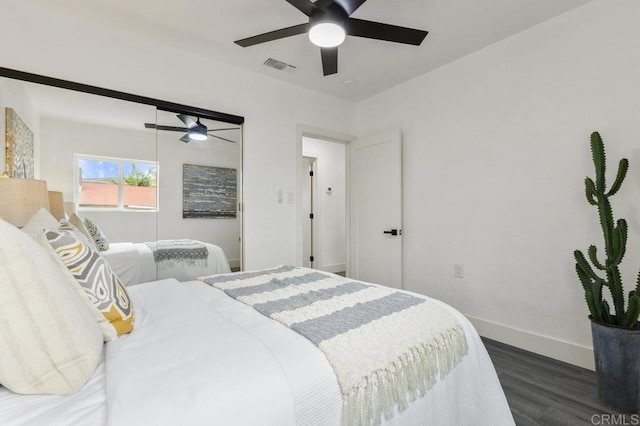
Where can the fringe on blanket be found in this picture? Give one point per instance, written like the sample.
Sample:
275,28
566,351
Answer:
403,380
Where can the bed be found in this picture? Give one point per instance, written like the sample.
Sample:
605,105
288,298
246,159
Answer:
134,263
199,356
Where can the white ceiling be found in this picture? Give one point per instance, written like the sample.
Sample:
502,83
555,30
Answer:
209,27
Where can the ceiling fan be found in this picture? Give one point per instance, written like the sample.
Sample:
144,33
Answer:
195,130
329,24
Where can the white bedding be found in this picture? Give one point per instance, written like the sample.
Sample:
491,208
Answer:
87,407
133,263
198,357
254,371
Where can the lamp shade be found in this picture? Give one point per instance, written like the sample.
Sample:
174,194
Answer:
22,198
56,204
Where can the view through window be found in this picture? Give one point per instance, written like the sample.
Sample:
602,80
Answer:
116,183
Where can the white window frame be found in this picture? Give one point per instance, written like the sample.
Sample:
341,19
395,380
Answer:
77,179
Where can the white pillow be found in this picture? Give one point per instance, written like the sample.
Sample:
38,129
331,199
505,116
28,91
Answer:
49,341
41,220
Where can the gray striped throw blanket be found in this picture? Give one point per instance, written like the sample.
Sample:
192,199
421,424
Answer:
169,253
387,347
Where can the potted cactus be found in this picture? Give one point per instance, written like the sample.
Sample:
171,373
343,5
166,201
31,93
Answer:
616,333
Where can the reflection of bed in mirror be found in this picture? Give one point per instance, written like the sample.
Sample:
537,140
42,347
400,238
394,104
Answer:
136,263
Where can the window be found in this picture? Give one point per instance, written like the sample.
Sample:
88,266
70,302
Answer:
116,183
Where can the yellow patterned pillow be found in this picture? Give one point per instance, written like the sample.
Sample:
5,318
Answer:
108,298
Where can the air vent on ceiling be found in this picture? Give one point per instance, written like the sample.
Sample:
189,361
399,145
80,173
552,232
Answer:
279,65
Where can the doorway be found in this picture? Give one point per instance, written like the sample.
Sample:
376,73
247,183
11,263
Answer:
323,198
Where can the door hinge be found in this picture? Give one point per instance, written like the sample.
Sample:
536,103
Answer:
311,216
311,173
310,258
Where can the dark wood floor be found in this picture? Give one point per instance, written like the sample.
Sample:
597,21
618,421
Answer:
543,391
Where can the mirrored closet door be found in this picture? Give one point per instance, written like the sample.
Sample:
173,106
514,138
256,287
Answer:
200,189
163,188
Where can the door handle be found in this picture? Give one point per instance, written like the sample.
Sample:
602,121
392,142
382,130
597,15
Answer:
393,232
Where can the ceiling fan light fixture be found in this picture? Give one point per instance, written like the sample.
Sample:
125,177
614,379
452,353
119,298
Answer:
327,34
198,134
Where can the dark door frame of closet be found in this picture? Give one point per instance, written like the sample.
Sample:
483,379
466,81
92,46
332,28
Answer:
94,90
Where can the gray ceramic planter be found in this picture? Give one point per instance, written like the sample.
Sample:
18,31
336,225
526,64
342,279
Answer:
617,355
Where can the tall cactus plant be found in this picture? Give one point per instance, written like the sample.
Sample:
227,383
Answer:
615,241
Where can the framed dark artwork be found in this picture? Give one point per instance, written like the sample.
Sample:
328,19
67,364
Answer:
208,192
18,147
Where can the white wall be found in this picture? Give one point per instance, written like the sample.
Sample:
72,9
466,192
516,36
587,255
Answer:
495,154
273,110
62,139
13,95
330,207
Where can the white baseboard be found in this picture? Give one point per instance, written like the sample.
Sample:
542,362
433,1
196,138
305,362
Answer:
571,353
234,263
338,267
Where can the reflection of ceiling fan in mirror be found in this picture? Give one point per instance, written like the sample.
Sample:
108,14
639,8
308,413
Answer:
195,130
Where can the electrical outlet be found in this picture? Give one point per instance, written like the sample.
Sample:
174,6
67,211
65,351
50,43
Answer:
458,271
290,198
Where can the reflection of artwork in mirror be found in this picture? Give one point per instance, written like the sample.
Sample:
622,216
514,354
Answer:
208,192
19,147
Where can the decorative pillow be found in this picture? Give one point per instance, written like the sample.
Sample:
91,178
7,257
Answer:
40,221
108,298
78,222
96,234
49,341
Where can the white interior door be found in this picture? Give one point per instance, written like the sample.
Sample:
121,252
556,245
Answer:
376,209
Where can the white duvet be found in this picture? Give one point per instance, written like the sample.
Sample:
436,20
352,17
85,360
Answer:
197,357
133,264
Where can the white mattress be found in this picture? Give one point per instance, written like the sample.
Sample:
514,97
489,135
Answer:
198,357
133,264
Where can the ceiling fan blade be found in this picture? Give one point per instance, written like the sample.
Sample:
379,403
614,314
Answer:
185,139
165,128
349,6
219,137
273,35
329,60
304,6
188,121
226,128
386,32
